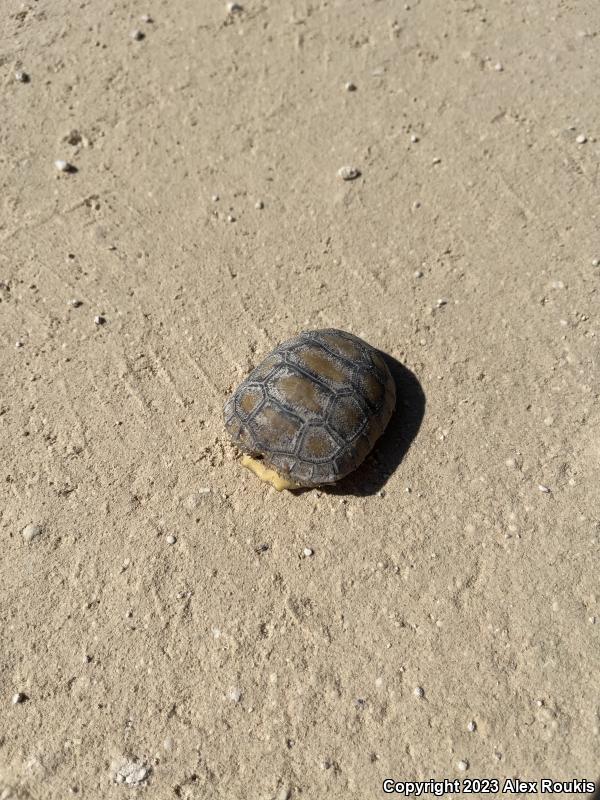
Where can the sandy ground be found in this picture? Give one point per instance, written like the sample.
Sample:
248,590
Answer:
220,671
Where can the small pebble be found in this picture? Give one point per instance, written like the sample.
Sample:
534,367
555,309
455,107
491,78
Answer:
171,539
259,204
350,87
544,489
418,274
234,8
308,552
21,76
18,698
137,35
472,726
230,218
63,166
441,302
18,343
31,532
463,766
99,320
348,173
75,303
414,138
235,694
215,198
132,773
436,160
146,18
498,67
581,139
595,262
418,691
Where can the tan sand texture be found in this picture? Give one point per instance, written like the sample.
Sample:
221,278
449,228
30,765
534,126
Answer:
172,627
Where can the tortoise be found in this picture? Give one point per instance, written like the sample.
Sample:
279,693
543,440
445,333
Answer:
312,410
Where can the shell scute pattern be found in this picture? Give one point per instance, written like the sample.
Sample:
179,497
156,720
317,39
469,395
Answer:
314,407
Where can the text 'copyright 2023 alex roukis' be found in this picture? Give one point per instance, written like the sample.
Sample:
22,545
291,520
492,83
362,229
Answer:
482,786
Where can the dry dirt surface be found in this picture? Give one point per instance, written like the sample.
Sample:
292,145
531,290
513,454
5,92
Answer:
171,627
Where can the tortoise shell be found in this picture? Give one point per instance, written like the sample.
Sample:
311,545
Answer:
313,409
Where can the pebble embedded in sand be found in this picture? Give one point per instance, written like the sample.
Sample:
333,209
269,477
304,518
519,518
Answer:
74,303
414,138
498,67
234,8
581,139
18,343
171,539
350,87
544,489
63,166
595,262
99,320
31,532
308,552
418,691
347,173
462,765
18,698
417,273
129,772
230,218
21,77
137,35
259,205
234,694
146,18
472,726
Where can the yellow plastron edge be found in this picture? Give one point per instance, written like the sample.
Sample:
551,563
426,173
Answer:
268,475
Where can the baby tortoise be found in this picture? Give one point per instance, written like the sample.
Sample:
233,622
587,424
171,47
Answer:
312,410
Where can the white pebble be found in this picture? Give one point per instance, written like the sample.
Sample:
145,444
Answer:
414,138
498,67
418,691
21,76
544,489
230,218
472,726
215,198
418,274
99,320
235,694
308,552
146,18
595,262
131,773
436,160
18,343
350,87
75,303
441,302
581,139
31,532
62,166
348,173
259,204
18,698
171,539
137,35
234,8
463,766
